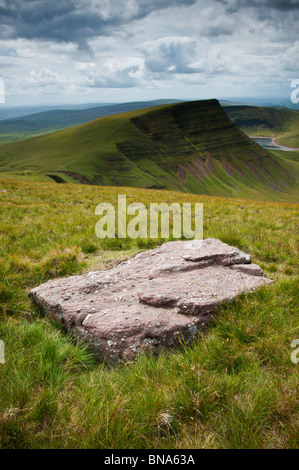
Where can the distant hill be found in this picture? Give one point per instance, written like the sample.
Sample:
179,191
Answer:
50,120
273,122
12,112
192,147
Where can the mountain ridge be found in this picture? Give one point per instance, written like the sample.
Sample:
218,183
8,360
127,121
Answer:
51,120
190,146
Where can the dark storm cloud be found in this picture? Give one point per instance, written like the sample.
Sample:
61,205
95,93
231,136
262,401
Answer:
282,5
283,15
78,21
73,20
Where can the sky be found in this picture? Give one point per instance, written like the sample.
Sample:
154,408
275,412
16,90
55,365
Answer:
76,51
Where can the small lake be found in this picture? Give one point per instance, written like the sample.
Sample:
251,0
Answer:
268,143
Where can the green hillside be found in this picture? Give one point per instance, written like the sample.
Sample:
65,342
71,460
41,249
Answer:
236,387
268,122
192,147
44,122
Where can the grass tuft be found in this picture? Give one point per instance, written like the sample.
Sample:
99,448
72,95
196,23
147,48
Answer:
236,387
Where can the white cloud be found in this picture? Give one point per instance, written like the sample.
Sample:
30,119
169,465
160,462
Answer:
169,54
290,58
121,73
44,77
177,48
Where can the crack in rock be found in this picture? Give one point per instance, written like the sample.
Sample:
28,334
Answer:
157,299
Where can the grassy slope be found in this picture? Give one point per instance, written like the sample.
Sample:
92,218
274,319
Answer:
289,159
235,388
191,147
44,122
267,122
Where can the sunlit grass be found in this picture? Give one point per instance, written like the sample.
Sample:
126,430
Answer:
234,388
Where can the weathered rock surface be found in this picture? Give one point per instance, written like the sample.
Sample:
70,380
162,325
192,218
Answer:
155,299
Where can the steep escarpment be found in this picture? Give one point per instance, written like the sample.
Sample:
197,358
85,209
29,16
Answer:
191,146
199,145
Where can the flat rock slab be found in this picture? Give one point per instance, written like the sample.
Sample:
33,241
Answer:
156,299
